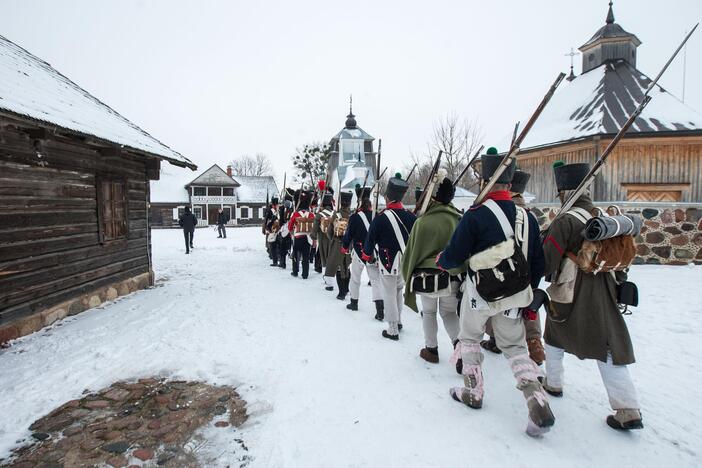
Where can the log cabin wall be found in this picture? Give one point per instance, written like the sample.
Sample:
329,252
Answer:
668,165
50,245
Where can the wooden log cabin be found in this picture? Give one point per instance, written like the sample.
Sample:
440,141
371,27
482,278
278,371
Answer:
659,159
74,181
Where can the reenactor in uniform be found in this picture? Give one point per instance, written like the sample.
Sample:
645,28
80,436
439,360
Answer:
300,226
355,236
338,261
386,241
584,319
319,234
502,245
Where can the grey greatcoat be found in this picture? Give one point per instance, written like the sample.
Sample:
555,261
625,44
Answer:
592,323
320,236
336,260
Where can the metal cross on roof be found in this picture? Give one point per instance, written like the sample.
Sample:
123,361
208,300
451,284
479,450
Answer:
571,54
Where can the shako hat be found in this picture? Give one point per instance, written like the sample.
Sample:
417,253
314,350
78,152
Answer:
274,201
569,176
491,161
304,200
418,191
328,200
396,188
345,199
362,192
519,181
289,194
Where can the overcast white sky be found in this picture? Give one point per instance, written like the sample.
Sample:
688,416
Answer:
217,79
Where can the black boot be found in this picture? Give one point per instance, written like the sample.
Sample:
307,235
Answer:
459,361
491,345
353,305
341,284
379,310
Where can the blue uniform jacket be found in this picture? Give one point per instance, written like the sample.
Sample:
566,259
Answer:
382,234
356,232
479,229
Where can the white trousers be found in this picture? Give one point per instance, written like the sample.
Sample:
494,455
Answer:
616,379
392,287
357,267
509,333
447,309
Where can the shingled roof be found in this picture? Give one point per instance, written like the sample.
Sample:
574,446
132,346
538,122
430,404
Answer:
31,89
600,101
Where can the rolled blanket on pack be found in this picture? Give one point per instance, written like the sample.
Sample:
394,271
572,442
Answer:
606,227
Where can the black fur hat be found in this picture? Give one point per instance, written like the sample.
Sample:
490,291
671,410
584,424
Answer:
345,199
418,191
519,181
396,189
274,201
362,192
304,199
490,162
328,200
445,191
569,176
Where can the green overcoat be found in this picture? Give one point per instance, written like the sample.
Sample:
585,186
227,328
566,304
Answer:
430,235
337,262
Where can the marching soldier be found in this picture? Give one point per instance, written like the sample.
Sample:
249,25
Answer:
532,326
338,261
300,225
353,240
437,290
284,236
319,234
387,235
502,245
271,228
583,316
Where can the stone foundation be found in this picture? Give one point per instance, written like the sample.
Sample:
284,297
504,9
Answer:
44,318
671,234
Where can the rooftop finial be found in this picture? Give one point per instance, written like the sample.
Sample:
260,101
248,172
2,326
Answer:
351,119
571,54
610,14
351,104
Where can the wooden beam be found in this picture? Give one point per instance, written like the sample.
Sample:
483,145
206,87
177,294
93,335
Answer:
656,187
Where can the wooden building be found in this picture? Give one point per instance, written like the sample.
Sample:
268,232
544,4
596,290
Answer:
660,158
242,198
74,180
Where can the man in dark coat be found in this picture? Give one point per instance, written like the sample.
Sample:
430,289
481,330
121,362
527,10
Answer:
300,225
188,221
353,240
339,261
284,238
486,231
222,220
584,319
387,235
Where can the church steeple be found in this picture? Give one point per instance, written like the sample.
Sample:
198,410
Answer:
610,42
351,119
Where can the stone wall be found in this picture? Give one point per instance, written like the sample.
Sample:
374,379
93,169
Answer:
76,305
671,235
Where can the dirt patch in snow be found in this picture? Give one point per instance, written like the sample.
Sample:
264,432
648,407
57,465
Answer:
150,422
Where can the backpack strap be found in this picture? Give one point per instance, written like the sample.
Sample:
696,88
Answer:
366,223
581,214
501,218
522,228
392,217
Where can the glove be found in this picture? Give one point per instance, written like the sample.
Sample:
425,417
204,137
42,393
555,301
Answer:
344,250
367,258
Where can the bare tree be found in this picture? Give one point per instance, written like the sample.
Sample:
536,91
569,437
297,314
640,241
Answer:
459,139
259,165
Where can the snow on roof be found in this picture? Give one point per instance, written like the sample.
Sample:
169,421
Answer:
254,189
349,133
601,100
31,88
170,188
214,176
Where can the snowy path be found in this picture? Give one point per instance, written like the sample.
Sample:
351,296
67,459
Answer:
324,389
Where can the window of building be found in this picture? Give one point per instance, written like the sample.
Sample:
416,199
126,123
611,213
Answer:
228,191
352,149
197,211
227,211
214,191
199,191
244,212
591,57
112,209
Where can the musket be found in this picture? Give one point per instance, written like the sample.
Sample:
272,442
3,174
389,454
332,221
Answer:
378,177
514,149
514,134
411,172
376,186
282,195
423,201
465,169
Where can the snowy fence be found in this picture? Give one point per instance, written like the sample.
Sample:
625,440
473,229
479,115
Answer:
671,235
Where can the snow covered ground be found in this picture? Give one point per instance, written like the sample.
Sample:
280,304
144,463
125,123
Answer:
324,389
